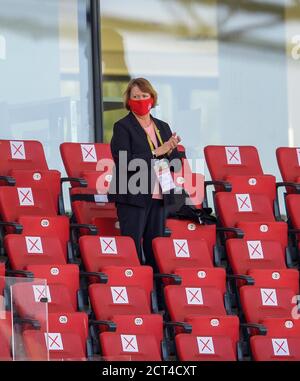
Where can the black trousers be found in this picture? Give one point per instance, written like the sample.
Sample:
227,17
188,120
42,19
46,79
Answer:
143,224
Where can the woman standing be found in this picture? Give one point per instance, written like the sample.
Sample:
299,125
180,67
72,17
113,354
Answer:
140,146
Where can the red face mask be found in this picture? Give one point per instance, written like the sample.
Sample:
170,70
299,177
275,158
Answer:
141,106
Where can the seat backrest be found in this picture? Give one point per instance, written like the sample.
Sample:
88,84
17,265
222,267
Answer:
80,157
185,229
21,154
58,346
43,179
108,301
267,231
100,251
67,275
234,208
244,255
25,250
264,348
124,347
140,324
289,163
259,303
184,302
281,278
15,202
139,276
50,226
216,326
281,327
70,322
232,160
171,253
259,184
203,277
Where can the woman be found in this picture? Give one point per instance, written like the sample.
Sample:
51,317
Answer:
139,141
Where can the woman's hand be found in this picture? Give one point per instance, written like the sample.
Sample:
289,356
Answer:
168,146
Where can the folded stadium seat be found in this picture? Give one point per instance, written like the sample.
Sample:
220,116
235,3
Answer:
138,337
270,296
71,322
53,346
288,160
16,202
213,338
238,169
37,180
139,276
282,342
60,293
235,208
25,250
171,253
185,229
202,292
81,161
5,336
48,226
244,255
129,290
21,154
293,213
98,252
108,301
268,231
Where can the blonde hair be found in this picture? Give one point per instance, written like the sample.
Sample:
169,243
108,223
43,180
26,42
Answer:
144,85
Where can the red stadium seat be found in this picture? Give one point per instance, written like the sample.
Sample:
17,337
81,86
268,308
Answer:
70,322
293,209
65,276
21,154
81,159
173,253
244,255
108,301
281,342
289,164
271,296
24,250
60,292
268,231
212,339
47,226
235,208
232,160
141,332
54,346
37,180
201,293
184,229
140,276
16,202
142,347
98,252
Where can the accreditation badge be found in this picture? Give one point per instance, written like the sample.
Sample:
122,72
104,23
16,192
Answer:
163,174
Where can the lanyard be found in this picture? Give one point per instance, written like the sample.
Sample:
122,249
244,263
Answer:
159,138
